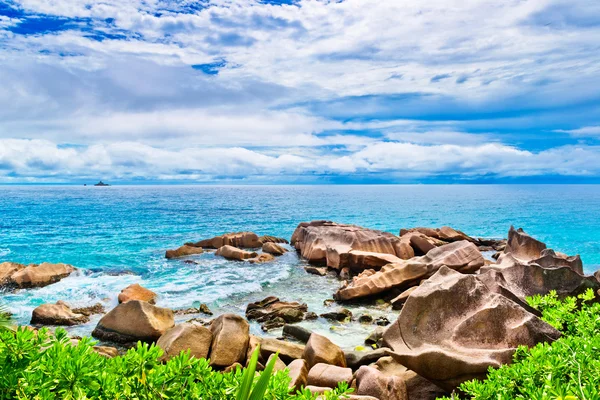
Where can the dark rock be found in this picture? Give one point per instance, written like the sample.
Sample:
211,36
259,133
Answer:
340,315
355,359
321,271
382,321
375,337
365,319
271,309
297,332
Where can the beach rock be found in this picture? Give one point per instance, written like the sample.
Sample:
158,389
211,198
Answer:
420,243
56,314
133,321
183,251
271,239
550,259
345,274
329,243
297,332
325,375
288,351
243,240
253,343
233,253
321,271
417,387
183,337
375,337
90,310
137,292
462,256
443,324
262,258
7,270
355,359
371,382
319,349
230,340
522,246
365,319
298,372
274,249
399,300
279,365
106,351
358,260
40,275
271,309
233,367
341,315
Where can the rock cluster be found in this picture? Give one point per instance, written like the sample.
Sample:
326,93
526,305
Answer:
32,276
273,313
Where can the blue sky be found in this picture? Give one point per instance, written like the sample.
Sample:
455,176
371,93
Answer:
299,91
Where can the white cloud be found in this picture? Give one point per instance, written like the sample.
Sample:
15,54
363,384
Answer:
586,131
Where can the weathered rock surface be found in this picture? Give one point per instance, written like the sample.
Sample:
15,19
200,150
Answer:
272,239
56,314
274,249
329,243
455,326
230,340
522,246
7,270
417,387
325,375
133,321
89,310
358,260
183,251
398,301
233,253
183,337
355,359
319,349
262,258
244,240
298,372
297,332
137,292
288,351
321,271
462,256
371,382
271,309
40,275
341,315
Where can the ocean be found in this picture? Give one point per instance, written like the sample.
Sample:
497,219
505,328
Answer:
117,235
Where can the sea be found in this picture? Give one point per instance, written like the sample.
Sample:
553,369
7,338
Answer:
118,235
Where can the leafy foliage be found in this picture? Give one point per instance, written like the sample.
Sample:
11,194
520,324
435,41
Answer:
5,319
44,366
568,369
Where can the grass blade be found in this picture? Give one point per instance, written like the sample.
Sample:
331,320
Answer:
248,376
263,382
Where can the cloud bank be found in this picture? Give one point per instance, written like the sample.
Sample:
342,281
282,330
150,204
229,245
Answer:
298,91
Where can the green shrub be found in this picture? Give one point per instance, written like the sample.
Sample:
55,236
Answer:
568,369
44,366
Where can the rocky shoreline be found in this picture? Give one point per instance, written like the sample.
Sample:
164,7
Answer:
460,311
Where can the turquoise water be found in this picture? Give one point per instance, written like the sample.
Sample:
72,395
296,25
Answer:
117,235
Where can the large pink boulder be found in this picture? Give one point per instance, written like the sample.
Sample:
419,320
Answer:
455,326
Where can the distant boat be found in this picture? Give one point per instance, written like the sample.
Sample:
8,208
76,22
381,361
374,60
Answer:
101,184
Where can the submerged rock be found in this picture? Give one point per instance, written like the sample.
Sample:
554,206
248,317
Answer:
57,314
183,251
137,292
274,249
462,256
233,253
340,315
40,275
90,310
244,240
271,309
329,243
134,320
261,258
454,327
321,271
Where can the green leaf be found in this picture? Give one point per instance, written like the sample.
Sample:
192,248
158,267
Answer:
263,382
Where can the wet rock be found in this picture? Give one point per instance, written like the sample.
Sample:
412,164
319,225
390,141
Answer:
298,372
274,323
192,262
462,256
341,315
7,270
133,321
186,337
243,240
262,258
274,249
375,337
233,253
382,321
355,359
443,323
321,271
288,351
371,382
325,375
399,300
365,319
271,309
230,340
40,275
310,316
319,349
417,387
90,310
56,314
329,243
137,292
204,309
183,251
271,239
297,332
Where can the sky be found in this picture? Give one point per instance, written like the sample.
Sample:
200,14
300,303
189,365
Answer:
299,91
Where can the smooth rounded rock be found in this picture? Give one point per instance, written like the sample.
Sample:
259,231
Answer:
188,336
319,349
